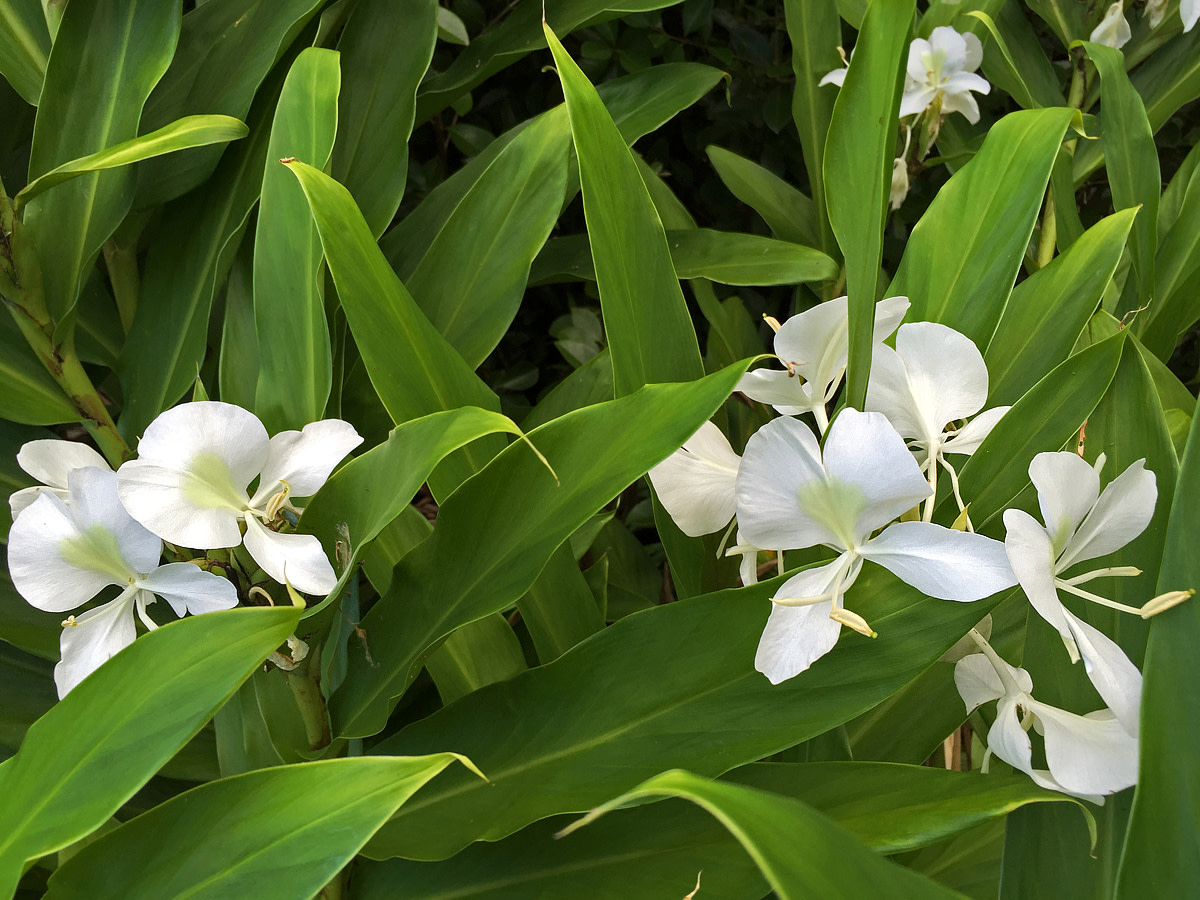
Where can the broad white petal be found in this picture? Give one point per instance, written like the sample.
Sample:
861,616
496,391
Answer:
696,483
1031,556
1116,679
889,392
21,500
1089,754
977,681
296,558
864,450
946,371
1113,30
916,100
49,461
971,435
1189,12
961,102
208,426
305,459
789,394
1067,489
917,51
1121,514
941,562
797,636
97,636
974,56
180,505
780,458
189,589
35,560
93,501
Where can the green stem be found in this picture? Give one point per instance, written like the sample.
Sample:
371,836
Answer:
307,690
120,258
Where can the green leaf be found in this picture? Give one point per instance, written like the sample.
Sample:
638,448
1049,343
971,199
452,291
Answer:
1176,306
294,357
378,100
23,626
792,843
479,653
90,753
859,149
791,215
451,29
27,392
24,47
108,56
963,256
480,559
193,131
649,330
28,686
284,833
1066,19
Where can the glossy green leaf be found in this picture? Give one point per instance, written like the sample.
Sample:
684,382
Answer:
480,559
284,833
27,392
1048,310
294,356
792,843
28,686
963,256
791,215
1175,307
92,751
560,610
451,28
477,654
23,626
24,47
1066,19
859,149
108,55
649,330
193,131
386,47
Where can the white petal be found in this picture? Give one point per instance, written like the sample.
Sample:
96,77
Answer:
946,371
49,461
977,681
814,342
971,435
234,434
1031,556
97,636
889,392
953,44
189,589
974,56
1067,488
780,458
93,501
296,558
916,100
35,562
864,450
305,458
797,636
1189,12
1116,679
1113,30
1089,754
1121,514
917,51
940,562
837,76
889,313
789,394
696,483
961,102
163,499
21,500
1008,740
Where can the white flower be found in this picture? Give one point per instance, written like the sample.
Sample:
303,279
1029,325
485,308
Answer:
1081,524
899,188
814,346
934,378
195,463
837,76
1189,12
941,75
49,462
60,555
1156,9
1113,30
1087,756
791,496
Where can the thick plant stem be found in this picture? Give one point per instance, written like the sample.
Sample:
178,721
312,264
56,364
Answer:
307,691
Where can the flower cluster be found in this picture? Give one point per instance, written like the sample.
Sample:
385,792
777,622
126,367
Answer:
86,528
865,486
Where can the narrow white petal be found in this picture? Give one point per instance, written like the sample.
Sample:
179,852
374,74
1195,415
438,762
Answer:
93,501
837,76
295,558
189,589
977,681
941,562
1067,489
916,100
789,394
1121,514
973,433
1113,30
49,461
97,636
780,458
797,636
917,51
305,459
1089,754
171,501
696,483
1116,679
1008,740
1032,559
889,313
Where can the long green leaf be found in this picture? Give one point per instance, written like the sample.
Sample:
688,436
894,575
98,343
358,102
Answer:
791,215
1176,307
24,47
92,751
27,392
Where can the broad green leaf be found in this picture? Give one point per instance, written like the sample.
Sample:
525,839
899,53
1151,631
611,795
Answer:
472,277
414,370
451,28
27,683
92,751
649,330
283,833
24,47
559,610
963,256
794,845
27,392
591,383
1175,307
1166,804
671,686
1048,310
1068,20
12,476
859,149
237,367
294,357
1007,72
791,215
193,131
23,626
479,653
386,47
1131,161
815,33
107,57
480,559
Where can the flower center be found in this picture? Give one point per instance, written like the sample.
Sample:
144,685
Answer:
209,484
97,550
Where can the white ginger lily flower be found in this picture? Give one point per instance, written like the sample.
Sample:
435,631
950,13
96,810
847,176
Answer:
941,75
1156,10
195,463
837,76
791,496
1113,31
1081,524
934,378
49,462
814,346
1087,756
60,555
